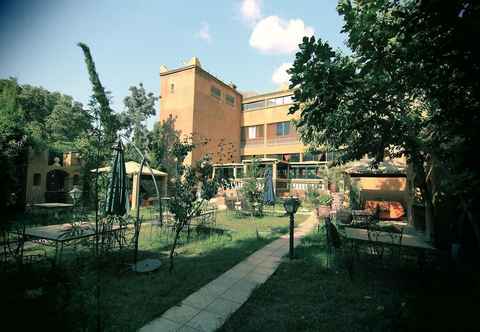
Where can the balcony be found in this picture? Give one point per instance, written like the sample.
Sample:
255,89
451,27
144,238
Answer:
289,140
252,142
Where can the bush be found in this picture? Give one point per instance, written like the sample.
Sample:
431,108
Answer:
344,216
317,198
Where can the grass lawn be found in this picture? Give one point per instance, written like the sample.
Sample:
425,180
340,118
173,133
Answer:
63,298
305,295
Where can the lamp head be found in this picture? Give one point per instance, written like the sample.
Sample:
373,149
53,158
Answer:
75,193
291,205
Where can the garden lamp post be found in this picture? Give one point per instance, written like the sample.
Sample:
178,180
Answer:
291,205
75,194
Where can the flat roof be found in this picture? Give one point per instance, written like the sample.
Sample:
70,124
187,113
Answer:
262,96
173,71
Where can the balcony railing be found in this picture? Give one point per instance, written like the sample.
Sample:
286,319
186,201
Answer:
283,141
252,142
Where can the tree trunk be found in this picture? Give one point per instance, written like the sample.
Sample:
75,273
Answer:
429,227
172,250
410,192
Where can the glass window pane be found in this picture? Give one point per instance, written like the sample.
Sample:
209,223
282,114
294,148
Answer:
287,99
252,132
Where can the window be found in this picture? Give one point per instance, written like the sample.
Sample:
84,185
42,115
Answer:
76,180
252,132
254,105
172,88
288,99
275,101
37,179
230,100
279,101
283,128
215,92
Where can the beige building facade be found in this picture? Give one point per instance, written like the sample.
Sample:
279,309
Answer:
204,107
50,176
238,129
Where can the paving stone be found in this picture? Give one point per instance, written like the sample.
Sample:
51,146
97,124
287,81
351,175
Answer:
181,314
215,288
186,328
161,325
200,299
227,279
222,307
259,278
264,270
208,308
206,321
244,267
240,292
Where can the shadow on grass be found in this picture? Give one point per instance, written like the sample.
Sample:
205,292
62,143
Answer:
63,299
305,295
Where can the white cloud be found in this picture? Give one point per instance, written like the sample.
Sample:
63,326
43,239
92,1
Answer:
251,10
275,35
280,75
204,32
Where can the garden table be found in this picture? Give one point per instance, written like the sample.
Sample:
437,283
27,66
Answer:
391,239
58,235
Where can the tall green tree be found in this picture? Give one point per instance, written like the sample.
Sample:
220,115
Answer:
13,144
109,121
161,139
407,88
140,106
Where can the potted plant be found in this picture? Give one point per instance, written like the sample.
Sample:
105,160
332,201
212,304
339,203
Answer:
333,177
321,201
324,204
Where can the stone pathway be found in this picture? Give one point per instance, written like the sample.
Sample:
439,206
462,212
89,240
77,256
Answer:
209,307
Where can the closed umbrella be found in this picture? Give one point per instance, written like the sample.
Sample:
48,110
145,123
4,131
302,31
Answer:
268,192
116,200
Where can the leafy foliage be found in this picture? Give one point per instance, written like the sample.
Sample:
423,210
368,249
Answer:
408,88
193,187
160,140
251,189
140,105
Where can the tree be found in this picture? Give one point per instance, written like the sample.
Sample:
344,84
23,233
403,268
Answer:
67,122
252,191
109,121
140,106
389,98
13,144
193,187
33,118
426,45
160,140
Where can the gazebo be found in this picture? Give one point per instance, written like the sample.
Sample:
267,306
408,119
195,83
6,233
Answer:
133,170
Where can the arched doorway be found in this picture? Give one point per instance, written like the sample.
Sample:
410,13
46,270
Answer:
56,186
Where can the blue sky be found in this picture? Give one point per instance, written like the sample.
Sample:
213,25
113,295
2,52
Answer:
243,41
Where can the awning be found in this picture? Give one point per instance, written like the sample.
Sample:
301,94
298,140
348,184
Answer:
132,168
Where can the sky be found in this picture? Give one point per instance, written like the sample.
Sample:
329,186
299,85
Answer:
248,42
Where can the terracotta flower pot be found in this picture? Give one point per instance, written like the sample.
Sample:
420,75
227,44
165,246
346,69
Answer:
323,210
332,186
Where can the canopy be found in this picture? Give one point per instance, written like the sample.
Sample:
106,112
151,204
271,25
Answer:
132,168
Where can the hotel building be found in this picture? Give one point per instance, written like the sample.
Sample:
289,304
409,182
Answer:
239,128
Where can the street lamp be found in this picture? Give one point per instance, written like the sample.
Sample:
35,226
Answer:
75,194
291,205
